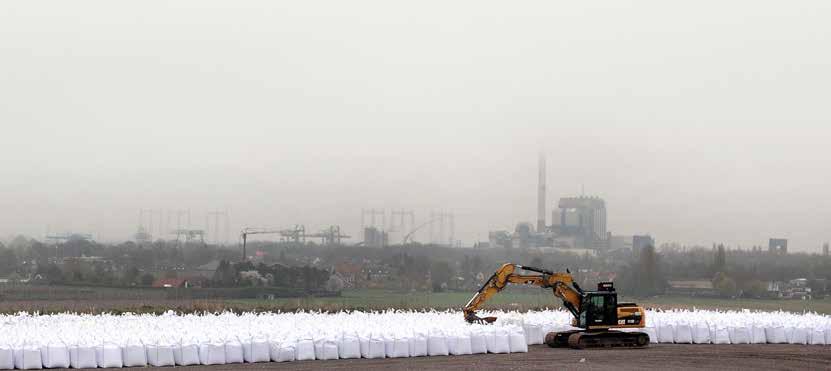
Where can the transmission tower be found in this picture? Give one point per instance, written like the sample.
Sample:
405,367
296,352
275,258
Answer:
217,231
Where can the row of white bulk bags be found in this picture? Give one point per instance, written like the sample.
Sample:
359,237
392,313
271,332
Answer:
701,333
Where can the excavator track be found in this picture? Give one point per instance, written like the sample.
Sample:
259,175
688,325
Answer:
579,339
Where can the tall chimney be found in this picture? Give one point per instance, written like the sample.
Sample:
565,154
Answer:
541,196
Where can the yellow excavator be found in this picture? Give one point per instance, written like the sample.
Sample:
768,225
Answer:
596,313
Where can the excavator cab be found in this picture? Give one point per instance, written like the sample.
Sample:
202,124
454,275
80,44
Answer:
599,308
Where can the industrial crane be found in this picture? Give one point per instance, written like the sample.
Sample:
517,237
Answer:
331,235
246,231
595,313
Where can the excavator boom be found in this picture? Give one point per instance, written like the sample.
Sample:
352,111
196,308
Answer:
562,283
595,312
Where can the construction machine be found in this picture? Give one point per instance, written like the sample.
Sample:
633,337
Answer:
596,313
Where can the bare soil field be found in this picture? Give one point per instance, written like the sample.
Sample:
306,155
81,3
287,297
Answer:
540,357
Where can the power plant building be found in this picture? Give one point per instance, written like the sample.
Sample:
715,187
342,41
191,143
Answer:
577,222
583,218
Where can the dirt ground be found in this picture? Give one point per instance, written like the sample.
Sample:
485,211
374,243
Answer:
540,357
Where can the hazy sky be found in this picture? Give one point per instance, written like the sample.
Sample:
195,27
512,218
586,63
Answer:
696,121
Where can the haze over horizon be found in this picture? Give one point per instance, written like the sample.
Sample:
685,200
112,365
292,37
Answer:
697,123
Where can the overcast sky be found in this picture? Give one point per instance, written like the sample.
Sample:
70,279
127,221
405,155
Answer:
697,122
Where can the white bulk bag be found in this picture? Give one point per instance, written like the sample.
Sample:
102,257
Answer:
389,345
533,334
461,345
797,335
818,336
256,350
418,345
350,347
186,354
701,333
363,340
305,350
160,355
109,355
478,342
653,334
400,348
739,334
516,341
133,354
376,347
437,344
283,351
719,335
683,334
212,353
776,335
326,349
27,357
499,341
758,335
6,357
451,344
666,333
234,352
82,356
55,355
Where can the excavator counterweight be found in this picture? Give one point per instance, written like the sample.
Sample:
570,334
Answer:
596,314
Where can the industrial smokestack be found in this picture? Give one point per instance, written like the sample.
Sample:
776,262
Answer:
541,196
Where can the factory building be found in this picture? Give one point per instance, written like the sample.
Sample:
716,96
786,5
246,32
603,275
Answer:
584,219
577,223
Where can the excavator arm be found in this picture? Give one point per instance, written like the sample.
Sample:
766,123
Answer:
562,284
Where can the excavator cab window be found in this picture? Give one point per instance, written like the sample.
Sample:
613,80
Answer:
599,309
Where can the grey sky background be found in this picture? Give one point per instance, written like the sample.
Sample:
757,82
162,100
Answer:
696,121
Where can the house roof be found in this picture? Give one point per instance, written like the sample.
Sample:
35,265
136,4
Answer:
170,282
691,284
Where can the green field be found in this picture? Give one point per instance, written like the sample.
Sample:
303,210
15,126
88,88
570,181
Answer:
522,300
